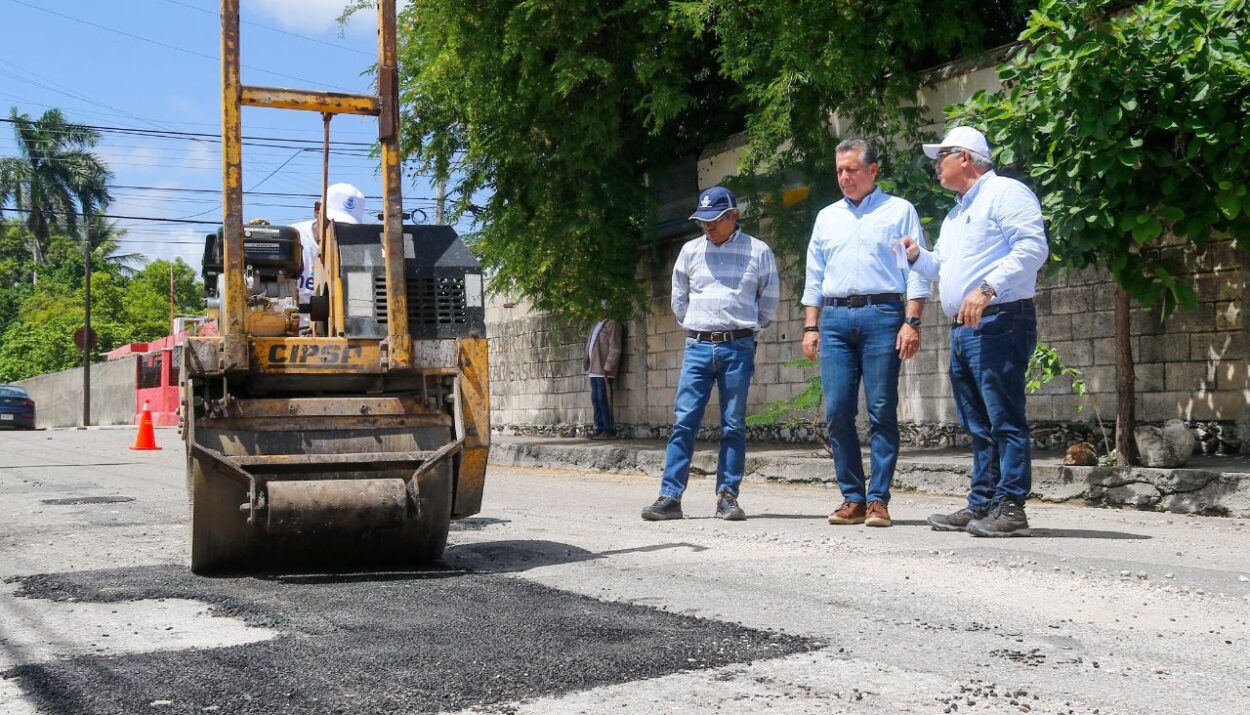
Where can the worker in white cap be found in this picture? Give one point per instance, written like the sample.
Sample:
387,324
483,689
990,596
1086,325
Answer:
344,204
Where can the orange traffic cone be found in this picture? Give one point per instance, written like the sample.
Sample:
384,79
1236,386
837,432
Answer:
146,439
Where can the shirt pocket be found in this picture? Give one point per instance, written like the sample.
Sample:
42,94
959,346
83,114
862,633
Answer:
981,235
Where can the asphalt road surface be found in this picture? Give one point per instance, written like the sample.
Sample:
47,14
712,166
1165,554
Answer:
557,598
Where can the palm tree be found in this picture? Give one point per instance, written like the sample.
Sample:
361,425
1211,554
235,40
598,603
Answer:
53,171
105,237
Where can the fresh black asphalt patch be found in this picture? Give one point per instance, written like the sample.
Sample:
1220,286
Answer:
405,642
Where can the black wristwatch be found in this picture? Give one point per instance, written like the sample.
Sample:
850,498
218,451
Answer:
913,322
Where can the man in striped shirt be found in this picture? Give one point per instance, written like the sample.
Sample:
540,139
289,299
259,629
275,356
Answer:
725,290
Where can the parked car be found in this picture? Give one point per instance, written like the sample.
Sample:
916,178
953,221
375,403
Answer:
17,410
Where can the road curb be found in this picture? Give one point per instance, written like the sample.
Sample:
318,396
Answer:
1210,492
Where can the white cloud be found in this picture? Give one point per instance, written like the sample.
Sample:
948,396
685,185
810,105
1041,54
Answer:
157,240
315,15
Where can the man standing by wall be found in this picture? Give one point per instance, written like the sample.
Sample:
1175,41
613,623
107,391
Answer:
603,355
991,245
856,323
725,290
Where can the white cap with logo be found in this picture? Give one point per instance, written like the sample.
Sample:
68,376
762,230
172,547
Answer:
962,138
345,204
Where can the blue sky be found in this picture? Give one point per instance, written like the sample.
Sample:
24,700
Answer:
154,65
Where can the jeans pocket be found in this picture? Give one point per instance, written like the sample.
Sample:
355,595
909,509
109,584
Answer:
888,308
995,325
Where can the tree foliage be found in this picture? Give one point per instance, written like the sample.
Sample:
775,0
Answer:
547,115
54,176
38,321
1133,123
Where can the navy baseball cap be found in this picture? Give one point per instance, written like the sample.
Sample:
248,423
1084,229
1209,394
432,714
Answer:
713,203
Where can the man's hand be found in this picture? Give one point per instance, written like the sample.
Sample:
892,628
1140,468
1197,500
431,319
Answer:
912,247
973,305
908,342
811,345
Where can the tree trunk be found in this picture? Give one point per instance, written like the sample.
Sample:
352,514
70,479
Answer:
1125,379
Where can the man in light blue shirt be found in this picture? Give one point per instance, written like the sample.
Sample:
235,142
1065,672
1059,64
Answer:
856,322
991,246
725,289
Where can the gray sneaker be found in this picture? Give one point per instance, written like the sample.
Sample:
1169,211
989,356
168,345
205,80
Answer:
954,522
663,509
1005,518
727,508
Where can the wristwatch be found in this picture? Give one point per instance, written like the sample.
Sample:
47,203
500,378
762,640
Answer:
988,289
913,322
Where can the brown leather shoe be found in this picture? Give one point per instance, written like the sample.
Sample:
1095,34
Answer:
878,515
851,512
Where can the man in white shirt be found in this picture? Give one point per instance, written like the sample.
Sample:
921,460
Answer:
345,204
991,246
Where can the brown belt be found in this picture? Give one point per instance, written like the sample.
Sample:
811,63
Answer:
859,301
720,336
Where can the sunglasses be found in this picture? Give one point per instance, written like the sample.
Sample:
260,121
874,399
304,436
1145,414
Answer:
945,153
708,224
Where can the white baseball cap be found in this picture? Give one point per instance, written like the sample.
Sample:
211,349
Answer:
345,204
963,138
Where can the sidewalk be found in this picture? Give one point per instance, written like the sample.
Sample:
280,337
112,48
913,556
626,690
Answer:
1216,486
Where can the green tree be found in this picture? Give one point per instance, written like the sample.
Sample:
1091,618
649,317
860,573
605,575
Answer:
546,117
1134,124
53,176
106,252
801,65
146,297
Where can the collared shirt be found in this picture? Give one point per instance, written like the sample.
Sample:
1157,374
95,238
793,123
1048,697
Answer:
726,287
590,346
309,244
994,234
854,250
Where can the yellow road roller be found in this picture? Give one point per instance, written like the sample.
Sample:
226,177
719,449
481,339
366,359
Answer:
347,431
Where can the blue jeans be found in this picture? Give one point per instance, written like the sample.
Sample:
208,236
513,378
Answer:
601,401
729,366
860,343
988,367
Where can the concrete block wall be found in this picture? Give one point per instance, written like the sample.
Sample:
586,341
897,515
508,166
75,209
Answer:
1193,365
58,395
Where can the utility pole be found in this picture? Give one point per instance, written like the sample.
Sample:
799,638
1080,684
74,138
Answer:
439,199
86,333
171,299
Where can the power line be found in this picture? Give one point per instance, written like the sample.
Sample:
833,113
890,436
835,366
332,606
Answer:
285,194
88,112
267,178
115,216
54,85
167,46
276,29
175,134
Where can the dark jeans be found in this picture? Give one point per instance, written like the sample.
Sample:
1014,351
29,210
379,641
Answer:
728,367
859,343
601,401
987,371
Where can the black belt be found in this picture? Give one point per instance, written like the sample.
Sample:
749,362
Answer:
721,336
1015,306
859,301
